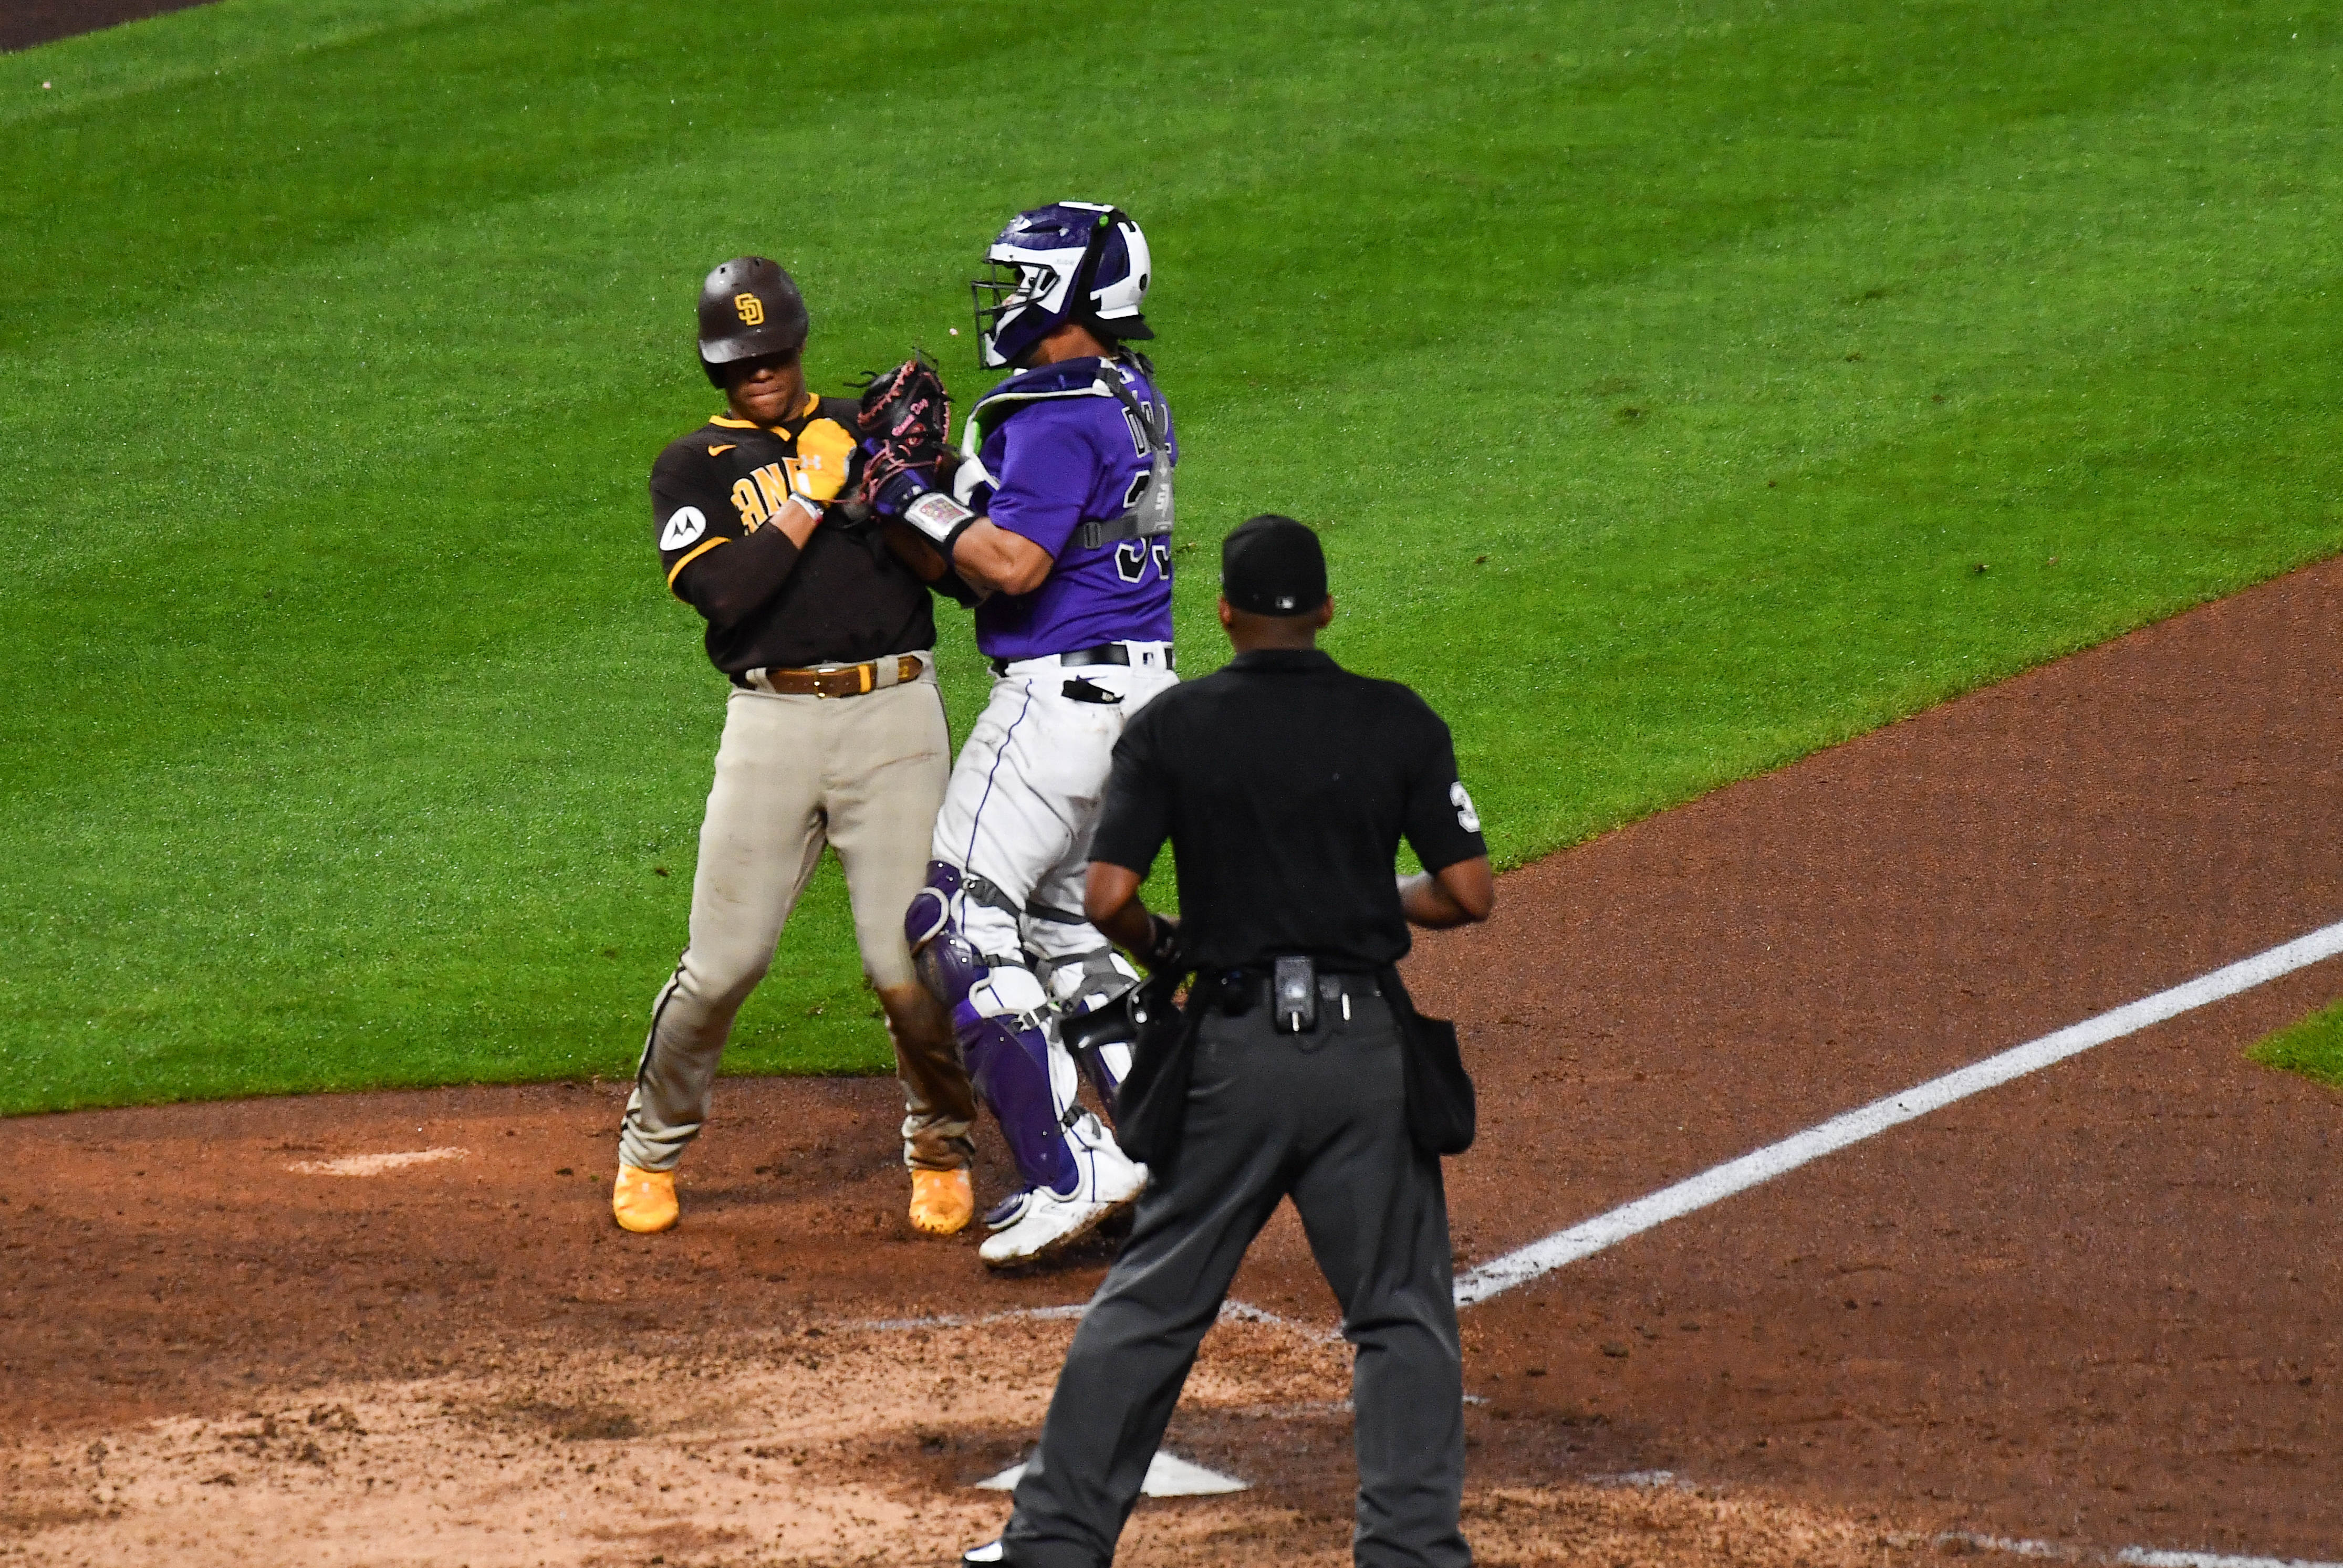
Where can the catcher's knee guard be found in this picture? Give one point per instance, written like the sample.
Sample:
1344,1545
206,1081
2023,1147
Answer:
1094,991
998,1013
941,956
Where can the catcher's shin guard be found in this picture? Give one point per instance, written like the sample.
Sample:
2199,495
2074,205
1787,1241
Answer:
998,1008
1009,1062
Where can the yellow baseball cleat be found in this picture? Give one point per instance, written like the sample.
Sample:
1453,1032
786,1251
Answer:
942,1202
644,1201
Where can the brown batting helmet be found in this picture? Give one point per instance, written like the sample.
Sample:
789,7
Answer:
749,307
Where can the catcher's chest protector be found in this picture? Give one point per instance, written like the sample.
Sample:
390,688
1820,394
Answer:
1147,510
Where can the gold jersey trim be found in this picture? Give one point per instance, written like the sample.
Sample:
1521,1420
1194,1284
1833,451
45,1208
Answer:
726,421
677,570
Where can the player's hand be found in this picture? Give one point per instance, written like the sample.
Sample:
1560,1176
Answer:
892,478
901,489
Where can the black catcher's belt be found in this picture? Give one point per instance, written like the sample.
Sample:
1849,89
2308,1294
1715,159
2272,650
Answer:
1106,653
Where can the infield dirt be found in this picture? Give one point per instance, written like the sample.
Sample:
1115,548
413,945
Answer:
2097,1306
29,22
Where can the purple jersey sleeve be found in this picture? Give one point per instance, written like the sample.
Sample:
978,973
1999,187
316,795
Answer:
1048,468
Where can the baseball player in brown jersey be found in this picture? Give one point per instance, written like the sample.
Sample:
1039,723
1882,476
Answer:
834,734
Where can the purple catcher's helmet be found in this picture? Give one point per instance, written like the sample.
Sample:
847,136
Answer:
1072,261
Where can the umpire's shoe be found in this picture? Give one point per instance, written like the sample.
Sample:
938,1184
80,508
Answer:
1038,1223
984,1556
644,1201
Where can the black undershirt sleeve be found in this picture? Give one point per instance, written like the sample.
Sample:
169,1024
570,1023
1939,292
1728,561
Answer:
730,584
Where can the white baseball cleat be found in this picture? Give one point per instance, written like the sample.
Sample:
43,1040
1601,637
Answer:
992,1551
1043,1223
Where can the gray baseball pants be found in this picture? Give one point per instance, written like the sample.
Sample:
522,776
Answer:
864,775
1319,1117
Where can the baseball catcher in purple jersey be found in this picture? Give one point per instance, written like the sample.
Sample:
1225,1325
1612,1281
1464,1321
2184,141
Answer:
1059,515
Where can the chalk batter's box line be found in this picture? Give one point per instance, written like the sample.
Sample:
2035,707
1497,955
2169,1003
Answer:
2126,1557
1588,1237
1233,1311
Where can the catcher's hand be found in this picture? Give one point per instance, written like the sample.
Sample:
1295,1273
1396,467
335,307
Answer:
906,409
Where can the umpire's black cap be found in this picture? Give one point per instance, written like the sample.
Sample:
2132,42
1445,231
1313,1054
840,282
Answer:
749,307
1271,565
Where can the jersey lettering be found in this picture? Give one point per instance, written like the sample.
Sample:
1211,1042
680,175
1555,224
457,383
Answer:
746,501
1131,561
775,485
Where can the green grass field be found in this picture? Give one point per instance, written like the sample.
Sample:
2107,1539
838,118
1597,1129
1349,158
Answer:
1662,377
2313,1048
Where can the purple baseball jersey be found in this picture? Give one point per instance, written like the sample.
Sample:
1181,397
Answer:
1062,461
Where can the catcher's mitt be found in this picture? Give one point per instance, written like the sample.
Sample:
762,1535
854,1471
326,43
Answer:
906,409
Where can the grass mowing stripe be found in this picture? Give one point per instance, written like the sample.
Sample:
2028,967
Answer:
374,790
334,144
1771,305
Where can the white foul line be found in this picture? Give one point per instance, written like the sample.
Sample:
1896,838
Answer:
2143,1557
1582,1240
2129,1557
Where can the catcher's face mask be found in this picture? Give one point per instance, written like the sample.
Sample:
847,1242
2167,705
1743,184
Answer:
1073,261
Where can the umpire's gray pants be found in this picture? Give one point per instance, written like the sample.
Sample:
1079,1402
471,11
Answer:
1319,1117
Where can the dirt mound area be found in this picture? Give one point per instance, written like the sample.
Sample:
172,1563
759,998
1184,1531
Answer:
796,1446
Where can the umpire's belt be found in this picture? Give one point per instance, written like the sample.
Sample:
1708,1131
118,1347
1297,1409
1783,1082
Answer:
1238,991
836,679
1105,653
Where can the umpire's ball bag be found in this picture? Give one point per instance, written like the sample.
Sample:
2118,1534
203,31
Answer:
1440,1110
1153,1102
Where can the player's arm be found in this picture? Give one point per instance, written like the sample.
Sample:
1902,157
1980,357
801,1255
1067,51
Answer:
721,554
989,557
1462,894
1045,469
1135,818
1110,902
928,529
921,560
986,557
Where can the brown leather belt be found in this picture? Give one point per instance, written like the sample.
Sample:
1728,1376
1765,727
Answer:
847,681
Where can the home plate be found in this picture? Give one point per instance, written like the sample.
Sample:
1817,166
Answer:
1168,1475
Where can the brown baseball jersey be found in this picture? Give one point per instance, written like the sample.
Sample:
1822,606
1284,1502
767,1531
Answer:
769,604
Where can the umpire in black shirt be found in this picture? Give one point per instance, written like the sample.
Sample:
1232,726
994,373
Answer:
1284,784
